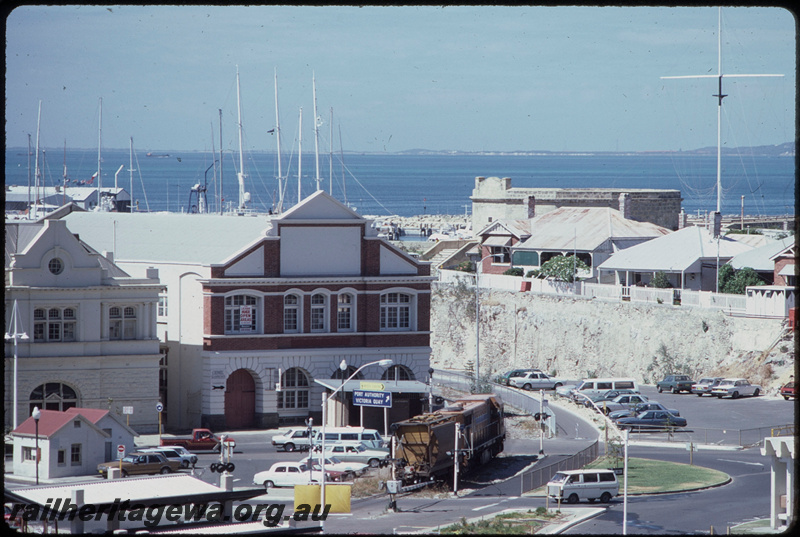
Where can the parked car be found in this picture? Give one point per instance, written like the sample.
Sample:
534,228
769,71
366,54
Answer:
787,390
287,474
174,453
141,463
651,420
354,469
703,386
508,375
294,439
635,410
374,457
675,384
735,388
622,402
535,380
606,396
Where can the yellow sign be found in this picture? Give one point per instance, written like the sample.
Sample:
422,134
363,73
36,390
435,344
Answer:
337,496
372,386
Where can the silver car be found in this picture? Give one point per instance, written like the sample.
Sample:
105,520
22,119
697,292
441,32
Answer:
535,380
704,385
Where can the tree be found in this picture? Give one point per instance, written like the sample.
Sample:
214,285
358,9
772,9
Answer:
660,281
562,268
737,283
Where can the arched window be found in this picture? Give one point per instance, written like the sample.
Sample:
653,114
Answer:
241,314
54,324
342,375
121,322
396,311
53,396
345,321
291,313
294,389
319,313
397,372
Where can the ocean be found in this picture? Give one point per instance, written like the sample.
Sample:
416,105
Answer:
410,185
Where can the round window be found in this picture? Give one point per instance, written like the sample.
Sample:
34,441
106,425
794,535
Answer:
56,266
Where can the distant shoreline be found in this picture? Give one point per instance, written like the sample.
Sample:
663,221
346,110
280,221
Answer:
781,150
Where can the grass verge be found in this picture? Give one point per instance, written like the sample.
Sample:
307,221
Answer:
648,476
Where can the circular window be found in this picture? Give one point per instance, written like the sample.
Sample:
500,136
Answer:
56,266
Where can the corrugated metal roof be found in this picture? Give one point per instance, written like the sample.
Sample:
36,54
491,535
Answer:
584,229
675,252
759,259
167,237
496,240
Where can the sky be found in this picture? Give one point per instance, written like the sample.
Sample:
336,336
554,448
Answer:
466,78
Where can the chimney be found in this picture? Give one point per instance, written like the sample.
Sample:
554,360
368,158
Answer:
682,219
151,273
625,205
109,255
531,206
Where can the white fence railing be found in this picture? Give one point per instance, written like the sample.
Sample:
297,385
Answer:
731,304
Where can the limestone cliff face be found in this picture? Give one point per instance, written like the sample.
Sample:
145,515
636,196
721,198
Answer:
576,338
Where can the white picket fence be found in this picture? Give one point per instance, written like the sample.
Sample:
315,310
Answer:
731,304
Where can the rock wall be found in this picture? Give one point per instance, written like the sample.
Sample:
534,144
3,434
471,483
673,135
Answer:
576,338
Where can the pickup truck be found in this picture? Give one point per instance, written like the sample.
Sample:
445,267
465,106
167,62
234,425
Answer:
201,440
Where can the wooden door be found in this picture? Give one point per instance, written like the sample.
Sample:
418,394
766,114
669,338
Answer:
240,400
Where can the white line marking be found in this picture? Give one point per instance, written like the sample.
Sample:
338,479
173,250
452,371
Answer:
742,462
486,506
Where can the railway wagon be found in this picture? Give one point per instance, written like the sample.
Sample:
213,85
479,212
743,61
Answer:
423,442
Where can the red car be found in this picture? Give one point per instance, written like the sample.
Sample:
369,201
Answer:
787,390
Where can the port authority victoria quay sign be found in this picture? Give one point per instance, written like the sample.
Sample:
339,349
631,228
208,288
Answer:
372,394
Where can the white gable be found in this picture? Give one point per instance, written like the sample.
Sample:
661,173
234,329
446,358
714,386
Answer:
320,250
320,206
394,263
250,265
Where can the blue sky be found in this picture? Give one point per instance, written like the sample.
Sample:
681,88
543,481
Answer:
397,78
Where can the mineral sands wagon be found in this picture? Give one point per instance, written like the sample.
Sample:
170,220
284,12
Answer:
427,443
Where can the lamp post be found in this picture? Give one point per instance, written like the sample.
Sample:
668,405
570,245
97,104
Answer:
478,320
36,414
325,397
624,435
16,335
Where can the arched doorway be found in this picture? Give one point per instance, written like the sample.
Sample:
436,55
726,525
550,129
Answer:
240,400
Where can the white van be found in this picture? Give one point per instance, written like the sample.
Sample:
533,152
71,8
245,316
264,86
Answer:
575,485
293,439
334,435
595,387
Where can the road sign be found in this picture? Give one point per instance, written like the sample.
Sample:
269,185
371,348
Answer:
120,451
374,386
159,407
364,398
127,410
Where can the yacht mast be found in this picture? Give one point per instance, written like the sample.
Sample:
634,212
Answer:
281,183
99,146
221,167
330,157
316,126
299,155
37,172
130,172
28,206
240,174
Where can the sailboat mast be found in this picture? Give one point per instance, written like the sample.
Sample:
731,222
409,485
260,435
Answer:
240,175
316,126
299,155
719,113
37,171
29,174
214,164
99,146
64,186
330,157
281,184
341,151
221,167
130,172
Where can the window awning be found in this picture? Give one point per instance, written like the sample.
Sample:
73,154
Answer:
496,240
787,270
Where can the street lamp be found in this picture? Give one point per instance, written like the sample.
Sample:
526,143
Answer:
624,435
325,397
36,414
16,335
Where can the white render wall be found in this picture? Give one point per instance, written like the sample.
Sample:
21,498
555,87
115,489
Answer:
316,363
